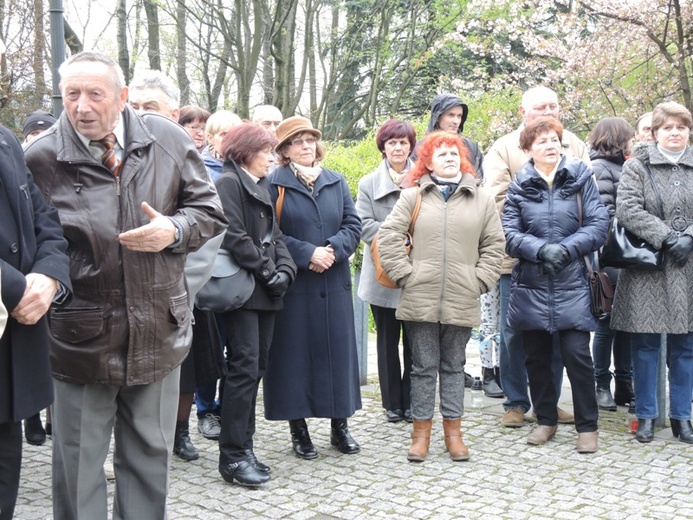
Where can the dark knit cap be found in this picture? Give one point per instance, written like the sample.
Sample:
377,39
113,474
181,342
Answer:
39,120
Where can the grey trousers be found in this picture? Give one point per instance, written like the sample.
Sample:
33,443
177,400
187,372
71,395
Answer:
142,420
437,349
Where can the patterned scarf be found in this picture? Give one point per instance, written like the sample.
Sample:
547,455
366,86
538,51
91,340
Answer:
212,152
397,178
307,174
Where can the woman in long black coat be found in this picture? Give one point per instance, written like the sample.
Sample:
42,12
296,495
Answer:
256,243
313,366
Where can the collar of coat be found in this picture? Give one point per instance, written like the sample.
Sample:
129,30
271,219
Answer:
71,149
571,176
651,154
232,168
466,185
382,182
284,176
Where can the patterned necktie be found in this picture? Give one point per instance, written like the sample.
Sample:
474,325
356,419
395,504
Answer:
108,158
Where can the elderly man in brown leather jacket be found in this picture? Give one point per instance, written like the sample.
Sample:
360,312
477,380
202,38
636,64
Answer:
132,204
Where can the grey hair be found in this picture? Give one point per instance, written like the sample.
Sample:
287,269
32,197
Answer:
92,56
157,79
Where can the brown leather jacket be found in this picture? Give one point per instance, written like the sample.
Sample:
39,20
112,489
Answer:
129,322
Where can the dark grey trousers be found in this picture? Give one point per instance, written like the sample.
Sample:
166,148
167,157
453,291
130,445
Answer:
437,349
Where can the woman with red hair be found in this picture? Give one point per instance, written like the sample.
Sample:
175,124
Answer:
456,256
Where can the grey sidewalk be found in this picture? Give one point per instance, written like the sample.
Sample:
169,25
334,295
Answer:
505,478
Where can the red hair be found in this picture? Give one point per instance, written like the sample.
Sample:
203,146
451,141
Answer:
428,146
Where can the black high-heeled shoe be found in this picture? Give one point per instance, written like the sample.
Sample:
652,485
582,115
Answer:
645,431
682,429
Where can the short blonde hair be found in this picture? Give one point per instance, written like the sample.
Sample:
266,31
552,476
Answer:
220,121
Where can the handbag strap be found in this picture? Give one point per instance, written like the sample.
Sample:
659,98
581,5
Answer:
654,188
588,263
415,213
279,204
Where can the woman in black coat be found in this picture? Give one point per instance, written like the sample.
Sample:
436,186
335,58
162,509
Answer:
313,365
549,230
610,144
256,243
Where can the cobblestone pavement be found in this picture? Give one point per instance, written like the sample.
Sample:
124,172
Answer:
505,478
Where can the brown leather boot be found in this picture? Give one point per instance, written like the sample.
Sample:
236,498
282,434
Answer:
453,440
420,439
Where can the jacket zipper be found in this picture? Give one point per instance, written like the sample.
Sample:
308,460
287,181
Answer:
550,277
445,255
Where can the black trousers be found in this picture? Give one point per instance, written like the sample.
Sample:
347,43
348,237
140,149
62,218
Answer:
249,338
395,385
575,351
10,466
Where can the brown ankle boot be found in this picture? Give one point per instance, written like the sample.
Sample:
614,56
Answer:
453,440
420,439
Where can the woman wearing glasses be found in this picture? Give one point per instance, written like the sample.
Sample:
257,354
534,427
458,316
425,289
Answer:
312,369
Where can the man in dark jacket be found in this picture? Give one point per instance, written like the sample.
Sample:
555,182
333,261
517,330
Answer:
34,269
132,206
449,113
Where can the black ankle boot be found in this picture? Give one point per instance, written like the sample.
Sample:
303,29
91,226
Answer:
645,431
300,438
33,430
182,445
623,392
682,430
491,388
342,439
604,399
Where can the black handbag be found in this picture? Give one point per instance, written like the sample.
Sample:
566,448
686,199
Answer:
229,287
625,250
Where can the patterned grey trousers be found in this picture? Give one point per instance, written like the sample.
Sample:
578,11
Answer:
437,349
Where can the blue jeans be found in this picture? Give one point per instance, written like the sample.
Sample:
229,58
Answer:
645,351
604,338
205,395
513,373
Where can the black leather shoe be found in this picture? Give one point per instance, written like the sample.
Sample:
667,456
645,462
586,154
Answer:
300,438
682,430
342,439
33,430
258,465
623,393
407,416
244,473
645,431
182,445
468,380
394,415
604,400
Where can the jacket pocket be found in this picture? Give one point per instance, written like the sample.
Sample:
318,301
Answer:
180,312
76,324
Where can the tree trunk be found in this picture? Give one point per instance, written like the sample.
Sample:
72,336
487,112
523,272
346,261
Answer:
121,36
153,52
181,57
39,52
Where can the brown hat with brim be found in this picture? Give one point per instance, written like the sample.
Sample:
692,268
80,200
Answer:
292,126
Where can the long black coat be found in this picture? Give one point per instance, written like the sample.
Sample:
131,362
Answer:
313,365
31,241
252,236
534,215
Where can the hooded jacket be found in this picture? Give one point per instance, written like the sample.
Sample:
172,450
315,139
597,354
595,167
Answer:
129,319
535,215
440,104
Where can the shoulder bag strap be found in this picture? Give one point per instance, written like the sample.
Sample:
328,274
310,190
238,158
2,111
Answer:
279,204
415,213
654,188
588,263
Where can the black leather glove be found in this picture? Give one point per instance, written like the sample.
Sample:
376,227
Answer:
555,258
681,249
278,284
670,241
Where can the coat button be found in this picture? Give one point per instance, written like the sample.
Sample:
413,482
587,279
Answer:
262,214
318,225
14,247
265,273
677,183
322,294
675,168
73,333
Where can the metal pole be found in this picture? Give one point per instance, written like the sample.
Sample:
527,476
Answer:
57,51
662,384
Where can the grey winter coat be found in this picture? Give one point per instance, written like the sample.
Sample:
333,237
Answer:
535,215
377,196
661,301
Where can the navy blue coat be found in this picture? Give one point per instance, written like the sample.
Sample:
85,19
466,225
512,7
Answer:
312,369
31,241
534,215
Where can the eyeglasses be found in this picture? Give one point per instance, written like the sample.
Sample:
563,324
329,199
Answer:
299,142
195,128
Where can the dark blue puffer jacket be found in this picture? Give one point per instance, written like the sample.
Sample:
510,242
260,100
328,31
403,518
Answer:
534,215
